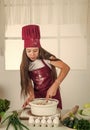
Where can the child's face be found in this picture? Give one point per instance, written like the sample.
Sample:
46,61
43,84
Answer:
32,53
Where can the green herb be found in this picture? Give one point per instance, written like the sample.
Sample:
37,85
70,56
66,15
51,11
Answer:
4,105
80,112
83,125
66,121
14,120
75,123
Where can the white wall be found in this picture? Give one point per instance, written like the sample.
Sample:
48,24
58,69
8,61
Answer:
10,85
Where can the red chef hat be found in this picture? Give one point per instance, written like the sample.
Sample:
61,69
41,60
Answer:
31,36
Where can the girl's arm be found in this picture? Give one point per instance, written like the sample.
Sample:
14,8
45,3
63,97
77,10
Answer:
64,69
31,96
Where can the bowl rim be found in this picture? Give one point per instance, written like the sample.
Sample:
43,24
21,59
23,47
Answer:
47,105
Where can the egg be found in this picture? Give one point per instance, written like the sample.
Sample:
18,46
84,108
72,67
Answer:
31,121
56,122
37,122
49,122
43,122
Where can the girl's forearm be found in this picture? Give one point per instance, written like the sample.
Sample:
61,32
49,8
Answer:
62,75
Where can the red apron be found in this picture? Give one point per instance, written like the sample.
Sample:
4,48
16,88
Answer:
42,79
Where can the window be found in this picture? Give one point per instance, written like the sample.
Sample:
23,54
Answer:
62,41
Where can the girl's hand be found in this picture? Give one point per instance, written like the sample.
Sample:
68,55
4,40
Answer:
30,98
52,91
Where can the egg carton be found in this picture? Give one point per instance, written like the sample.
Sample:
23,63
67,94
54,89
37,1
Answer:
52,121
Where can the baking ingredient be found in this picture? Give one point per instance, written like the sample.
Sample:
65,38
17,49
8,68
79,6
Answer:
31,121
42,102
14,120
49,122
43,122
37,122
56,122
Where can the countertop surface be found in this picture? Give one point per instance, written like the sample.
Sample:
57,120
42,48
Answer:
26,122
39,128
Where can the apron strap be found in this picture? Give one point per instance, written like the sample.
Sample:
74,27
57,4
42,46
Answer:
45,64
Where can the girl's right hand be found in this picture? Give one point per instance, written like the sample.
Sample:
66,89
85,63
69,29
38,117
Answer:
30,98
26,102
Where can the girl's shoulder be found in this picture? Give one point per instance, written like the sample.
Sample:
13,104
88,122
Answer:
46,61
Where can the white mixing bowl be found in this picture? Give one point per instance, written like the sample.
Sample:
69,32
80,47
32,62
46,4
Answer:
40,107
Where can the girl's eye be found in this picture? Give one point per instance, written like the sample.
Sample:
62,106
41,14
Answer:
35,51
32,50
28,51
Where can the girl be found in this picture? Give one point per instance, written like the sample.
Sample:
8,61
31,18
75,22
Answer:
38,68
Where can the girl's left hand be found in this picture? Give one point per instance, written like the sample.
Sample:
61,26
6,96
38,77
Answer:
51,91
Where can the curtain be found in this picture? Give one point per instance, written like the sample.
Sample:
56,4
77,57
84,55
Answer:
88,28
57,12
2,27
46,11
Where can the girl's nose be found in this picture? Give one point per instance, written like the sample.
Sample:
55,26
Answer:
32,53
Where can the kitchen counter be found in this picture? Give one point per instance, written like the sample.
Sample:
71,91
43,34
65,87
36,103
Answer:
25,122
61,127
40,128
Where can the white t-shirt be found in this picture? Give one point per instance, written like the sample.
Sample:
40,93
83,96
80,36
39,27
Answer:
38,64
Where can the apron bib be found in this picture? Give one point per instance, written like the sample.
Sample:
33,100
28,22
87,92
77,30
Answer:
42,79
